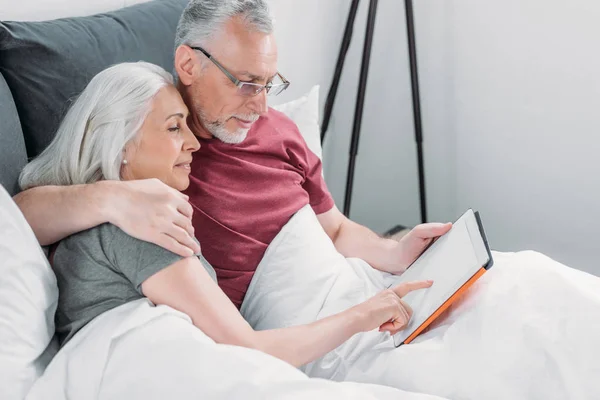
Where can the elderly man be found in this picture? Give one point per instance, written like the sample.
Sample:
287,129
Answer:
252,174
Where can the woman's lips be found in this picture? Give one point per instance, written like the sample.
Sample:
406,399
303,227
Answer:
185,166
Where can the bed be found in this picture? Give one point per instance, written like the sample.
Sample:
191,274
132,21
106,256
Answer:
526,309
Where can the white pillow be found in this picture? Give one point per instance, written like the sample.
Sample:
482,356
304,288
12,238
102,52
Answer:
28,298
305,114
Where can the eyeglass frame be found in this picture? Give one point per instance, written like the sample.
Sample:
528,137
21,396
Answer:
238,83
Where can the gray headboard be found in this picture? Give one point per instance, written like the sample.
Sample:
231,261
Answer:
44,65
12,145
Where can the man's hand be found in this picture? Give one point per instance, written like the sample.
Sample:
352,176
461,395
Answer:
354,240
411,246
154,212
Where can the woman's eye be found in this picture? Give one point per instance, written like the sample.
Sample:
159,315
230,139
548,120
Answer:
174,129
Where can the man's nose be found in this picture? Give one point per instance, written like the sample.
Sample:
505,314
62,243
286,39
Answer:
258,103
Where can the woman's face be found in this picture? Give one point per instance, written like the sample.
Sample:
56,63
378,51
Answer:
164,145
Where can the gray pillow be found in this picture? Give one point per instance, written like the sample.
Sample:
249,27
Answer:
47,63
12,148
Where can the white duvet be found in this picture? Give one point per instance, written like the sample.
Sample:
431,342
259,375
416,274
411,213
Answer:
141,352
528,329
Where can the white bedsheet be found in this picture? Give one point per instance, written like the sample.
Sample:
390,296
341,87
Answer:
138,351
529,329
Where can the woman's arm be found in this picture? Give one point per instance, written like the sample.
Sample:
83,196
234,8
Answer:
187,287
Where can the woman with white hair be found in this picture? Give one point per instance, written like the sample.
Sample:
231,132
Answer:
130,123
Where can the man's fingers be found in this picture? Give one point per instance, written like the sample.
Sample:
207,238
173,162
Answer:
173,245
404,288
431,230
182,236
185,208
185,223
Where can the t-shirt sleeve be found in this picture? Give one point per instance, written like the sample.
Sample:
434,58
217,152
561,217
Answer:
320,199
135,259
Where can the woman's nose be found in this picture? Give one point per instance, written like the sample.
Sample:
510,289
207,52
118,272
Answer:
191,142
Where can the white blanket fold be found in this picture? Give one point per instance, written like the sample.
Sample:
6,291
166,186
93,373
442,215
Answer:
139,351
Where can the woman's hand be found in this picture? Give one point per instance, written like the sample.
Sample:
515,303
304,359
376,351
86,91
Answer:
387,311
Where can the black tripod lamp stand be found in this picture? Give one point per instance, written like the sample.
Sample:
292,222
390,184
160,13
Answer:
360,98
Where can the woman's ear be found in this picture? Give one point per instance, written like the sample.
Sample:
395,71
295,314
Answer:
184,64
127,155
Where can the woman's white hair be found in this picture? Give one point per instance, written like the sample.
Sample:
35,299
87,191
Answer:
89,143
202,19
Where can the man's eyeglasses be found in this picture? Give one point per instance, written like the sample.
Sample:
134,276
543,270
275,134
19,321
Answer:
248,89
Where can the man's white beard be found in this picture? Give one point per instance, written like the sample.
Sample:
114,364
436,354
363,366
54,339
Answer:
219,131
225,136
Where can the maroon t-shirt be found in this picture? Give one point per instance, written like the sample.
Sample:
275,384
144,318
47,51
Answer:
243,195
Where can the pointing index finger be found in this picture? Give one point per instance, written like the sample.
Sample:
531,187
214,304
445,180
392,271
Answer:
405,288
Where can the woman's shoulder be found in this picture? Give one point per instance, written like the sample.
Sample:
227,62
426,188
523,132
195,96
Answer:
115,243
104,233
82,248
106,244
97,241
110,245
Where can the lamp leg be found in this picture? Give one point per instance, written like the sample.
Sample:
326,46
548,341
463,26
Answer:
339,67
360,100
416,103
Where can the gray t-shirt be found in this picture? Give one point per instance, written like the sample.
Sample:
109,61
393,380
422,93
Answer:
100,269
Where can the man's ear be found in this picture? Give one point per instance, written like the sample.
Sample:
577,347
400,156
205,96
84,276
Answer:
184,64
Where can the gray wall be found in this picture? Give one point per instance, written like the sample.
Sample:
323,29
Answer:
308,37
511,100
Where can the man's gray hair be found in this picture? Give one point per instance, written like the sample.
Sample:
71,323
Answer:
89,144
202,19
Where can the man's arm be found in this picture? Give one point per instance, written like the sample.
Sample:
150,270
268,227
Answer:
354,240
54,212
148,210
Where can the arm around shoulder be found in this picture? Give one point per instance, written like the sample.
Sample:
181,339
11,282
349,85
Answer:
55,212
